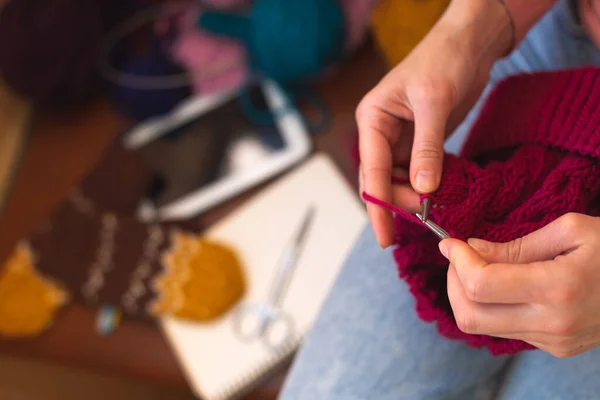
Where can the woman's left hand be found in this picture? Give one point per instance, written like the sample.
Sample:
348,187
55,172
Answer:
543,288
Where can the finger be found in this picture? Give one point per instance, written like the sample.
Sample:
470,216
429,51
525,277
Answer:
428,145
557,346
486,319
539,338
406,198
524,336
402,148
539,333
498,282
381,219
361,182
560,352
399,172
574,346
565,346
544,244
377,131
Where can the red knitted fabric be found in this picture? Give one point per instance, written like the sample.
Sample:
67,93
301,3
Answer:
532,156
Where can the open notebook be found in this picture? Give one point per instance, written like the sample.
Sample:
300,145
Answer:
217,364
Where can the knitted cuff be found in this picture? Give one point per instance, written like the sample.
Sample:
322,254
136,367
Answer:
554,109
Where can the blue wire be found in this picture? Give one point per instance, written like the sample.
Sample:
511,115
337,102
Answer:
293,95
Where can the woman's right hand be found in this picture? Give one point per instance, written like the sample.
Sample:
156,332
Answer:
403,121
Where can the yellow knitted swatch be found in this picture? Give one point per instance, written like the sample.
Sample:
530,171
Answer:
28,301
201,281
399,25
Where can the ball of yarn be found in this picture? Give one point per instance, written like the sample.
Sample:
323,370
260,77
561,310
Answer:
287,40
48,48
358,17
142,104
214,63
398,26
228,4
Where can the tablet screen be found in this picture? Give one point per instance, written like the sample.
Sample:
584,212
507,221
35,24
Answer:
231,137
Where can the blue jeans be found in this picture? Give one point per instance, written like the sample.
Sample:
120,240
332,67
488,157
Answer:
368,342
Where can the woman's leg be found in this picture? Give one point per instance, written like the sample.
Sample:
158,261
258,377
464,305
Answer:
368,342
538,375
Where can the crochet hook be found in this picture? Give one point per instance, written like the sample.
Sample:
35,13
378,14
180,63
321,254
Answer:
425,207
435,228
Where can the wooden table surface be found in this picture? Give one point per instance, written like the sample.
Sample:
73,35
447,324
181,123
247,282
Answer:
62,148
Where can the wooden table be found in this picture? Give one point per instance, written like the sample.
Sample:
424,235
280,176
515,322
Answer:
62,148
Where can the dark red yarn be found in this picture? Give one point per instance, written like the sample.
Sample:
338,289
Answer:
532,156
49,49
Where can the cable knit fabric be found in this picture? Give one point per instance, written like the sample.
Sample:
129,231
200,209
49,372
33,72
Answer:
532,156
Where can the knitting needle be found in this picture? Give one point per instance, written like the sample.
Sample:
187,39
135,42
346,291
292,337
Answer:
441,233
425,207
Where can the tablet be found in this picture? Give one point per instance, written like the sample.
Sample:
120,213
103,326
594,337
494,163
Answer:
209,149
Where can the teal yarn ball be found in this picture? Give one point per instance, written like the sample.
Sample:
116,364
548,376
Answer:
287,40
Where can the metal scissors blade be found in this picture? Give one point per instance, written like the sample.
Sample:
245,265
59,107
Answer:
259,320
289,259
301,235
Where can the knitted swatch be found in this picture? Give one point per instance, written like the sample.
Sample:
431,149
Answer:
532,156
93,251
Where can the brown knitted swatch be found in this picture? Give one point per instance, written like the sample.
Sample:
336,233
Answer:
93,250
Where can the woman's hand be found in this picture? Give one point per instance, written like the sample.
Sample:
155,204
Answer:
434,87
542,288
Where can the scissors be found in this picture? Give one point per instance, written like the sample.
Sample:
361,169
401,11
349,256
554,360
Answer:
424,217
266,320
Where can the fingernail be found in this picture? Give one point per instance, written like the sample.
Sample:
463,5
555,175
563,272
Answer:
425,181
482,246
443,248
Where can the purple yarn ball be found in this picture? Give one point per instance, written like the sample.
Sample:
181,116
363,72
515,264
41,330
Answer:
141,104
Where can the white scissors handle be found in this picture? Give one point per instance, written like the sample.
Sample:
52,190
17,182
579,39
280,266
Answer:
266,323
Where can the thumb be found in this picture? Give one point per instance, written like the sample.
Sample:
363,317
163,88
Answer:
428,146
542,245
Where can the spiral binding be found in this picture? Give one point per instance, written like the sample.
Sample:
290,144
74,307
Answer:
248,382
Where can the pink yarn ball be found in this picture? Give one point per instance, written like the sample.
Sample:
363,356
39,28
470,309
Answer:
358,18
214,63
228,4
